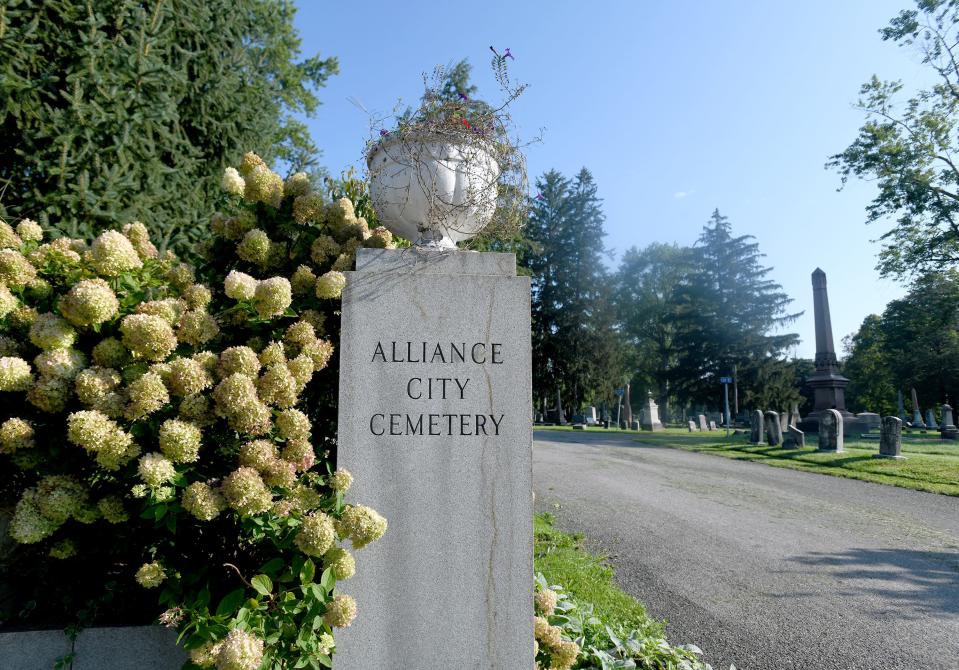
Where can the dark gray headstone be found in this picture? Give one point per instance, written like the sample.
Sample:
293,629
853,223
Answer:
756,427
947,428
794,438
830,431
931,420
890,440
869,421
774,432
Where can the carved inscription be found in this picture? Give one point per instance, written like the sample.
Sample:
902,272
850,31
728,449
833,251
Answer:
429,389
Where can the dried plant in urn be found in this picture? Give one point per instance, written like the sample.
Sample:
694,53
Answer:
451,168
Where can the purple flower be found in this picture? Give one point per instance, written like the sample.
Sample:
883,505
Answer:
463,96
384,132
539,196
508,54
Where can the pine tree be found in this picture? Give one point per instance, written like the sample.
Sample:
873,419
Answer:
730,316
574,339
117,110
647,286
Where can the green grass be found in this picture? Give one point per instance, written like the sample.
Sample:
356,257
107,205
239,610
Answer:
929,465
587,578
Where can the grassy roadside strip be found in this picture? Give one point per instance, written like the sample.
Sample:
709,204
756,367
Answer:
930,465
611,627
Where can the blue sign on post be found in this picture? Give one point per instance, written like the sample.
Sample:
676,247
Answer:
725,380
620,392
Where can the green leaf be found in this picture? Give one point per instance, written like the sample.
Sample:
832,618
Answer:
272,567
328,581
262,584
230,602
307,572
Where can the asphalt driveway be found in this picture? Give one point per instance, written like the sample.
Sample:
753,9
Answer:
764,567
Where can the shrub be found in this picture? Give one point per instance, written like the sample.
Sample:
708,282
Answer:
169,430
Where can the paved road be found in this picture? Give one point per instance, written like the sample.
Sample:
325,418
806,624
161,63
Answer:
760,566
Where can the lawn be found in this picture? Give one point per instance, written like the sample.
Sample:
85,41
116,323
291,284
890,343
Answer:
586,577
929,465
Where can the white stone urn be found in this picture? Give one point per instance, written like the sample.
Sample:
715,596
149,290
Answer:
433,189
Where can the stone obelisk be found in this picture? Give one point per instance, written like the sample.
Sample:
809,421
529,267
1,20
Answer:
829,387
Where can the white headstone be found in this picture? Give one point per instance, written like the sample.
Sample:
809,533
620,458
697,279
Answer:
649,416
434,424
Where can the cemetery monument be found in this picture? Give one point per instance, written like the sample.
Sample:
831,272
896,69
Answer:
829,387
434,422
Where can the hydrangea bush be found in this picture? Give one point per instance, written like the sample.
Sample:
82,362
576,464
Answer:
168,428
569,636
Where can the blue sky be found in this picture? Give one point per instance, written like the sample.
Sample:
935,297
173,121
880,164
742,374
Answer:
676,107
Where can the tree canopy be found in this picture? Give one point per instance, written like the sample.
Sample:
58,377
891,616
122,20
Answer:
130,109
909,147
914,343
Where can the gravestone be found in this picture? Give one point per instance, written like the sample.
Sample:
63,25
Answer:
703,426
774,433
931,420
890,440
434,410
948,429
692,427
783,421
649,416
756,427
634,425
830,431
869,421
712,425
917,421
794,438
901,407
579,426
591,416
794,417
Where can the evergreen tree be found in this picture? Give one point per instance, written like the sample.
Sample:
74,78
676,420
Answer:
647,286
130,109
574,339
729,316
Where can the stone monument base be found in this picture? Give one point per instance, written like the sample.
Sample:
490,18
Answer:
851,425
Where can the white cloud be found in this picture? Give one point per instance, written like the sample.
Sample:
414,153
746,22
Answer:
679,195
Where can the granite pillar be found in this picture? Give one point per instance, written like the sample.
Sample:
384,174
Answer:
829,387
448,463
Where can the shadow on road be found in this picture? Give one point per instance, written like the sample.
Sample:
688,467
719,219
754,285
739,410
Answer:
926,582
